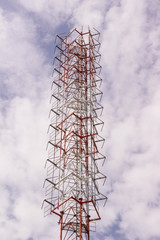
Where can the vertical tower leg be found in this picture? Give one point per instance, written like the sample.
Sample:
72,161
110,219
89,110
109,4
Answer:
80,219
61,225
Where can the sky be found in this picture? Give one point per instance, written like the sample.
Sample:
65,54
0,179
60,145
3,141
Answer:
130,48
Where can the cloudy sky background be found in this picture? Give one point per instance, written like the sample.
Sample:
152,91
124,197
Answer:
130,33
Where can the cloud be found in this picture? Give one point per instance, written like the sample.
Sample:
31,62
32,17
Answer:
54,12
132,54
23,123
23,152
21,58
89,13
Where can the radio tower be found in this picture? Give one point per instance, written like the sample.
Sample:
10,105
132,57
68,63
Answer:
72,191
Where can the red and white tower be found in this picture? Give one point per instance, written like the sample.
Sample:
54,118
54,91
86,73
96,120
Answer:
72,191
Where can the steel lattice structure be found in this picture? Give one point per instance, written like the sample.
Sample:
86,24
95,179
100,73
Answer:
72,190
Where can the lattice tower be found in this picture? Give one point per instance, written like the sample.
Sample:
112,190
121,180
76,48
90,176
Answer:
72,190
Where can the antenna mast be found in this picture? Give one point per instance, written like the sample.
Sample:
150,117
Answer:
72,191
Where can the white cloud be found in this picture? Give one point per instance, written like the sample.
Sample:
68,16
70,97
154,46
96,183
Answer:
23,142
132,115
52,11
89,13
23,120
21,59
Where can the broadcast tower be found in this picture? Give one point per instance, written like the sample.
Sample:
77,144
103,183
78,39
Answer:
72,191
